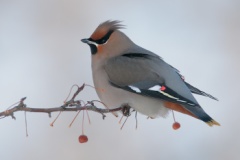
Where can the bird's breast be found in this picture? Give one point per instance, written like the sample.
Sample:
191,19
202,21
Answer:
114,97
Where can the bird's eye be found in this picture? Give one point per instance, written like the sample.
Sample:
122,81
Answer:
103,41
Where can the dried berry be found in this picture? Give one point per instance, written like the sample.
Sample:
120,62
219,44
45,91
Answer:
82,138
176,125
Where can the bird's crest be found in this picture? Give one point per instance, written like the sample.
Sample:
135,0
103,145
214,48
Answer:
105,27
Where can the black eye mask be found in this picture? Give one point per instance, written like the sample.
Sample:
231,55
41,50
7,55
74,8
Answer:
93,43
104,39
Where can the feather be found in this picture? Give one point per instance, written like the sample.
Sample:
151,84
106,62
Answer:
149,75
192,88
199,92
105,28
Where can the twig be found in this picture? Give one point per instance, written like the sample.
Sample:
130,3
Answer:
74,107
69,106
26,127
70,125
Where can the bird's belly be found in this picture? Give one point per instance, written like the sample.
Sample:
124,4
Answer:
114,97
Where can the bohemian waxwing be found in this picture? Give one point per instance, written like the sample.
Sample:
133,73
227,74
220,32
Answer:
127,74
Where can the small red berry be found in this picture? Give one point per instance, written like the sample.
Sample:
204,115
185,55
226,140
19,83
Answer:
82,138
176,125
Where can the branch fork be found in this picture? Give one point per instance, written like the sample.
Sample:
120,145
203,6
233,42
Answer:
68,106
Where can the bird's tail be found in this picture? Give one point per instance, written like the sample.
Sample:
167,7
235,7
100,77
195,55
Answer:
202,115
212,123
196,112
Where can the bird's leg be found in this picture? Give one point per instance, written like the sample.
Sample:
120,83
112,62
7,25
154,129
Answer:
126,110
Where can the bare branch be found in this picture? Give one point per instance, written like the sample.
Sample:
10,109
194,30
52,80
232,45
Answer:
69,106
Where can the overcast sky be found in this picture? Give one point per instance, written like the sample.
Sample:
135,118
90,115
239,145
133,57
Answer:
41,57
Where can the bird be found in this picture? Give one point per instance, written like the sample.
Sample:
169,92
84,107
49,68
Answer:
125,74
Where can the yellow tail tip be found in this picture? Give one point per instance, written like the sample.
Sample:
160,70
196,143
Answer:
213,122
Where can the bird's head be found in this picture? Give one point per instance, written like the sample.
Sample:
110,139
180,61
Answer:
107,38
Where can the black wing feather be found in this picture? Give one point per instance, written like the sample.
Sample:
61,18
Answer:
166,95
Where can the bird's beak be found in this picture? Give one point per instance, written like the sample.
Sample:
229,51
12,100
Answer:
85,40
89,41
93,45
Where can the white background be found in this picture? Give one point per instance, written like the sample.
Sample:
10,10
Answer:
41,57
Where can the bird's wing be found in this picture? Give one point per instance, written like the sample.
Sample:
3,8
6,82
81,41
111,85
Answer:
199,92
149,76
194,89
